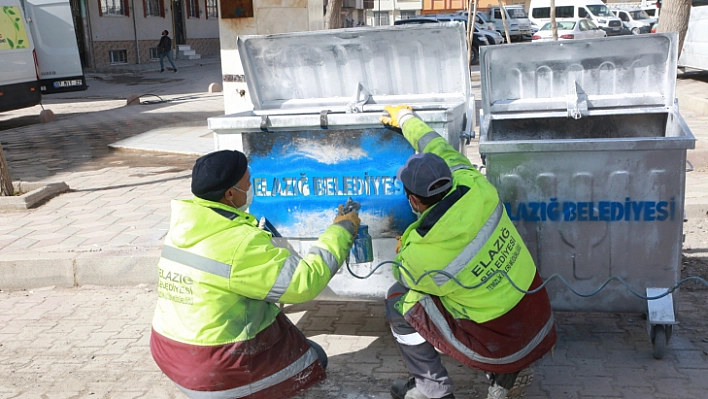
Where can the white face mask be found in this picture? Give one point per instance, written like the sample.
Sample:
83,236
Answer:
249,199
416,213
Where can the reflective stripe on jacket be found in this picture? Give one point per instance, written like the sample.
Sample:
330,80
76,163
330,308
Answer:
219,278
468,235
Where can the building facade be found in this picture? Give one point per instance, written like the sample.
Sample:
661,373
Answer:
386,12
127,31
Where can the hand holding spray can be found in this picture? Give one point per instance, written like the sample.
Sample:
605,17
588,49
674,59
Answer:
362,250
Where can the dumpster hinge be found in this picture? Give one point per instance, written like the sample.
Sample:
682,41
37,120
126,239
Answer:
323,119
577,102
361,97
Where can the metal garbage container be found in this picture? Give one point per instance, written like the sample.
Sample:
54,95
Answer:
313,138
587,149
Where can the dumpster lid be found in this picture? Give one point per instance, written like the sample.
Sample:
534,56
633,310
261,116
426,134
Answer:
579,77
344,69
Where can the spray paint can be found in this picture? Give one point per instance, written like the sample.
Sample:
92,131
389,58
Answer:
362,250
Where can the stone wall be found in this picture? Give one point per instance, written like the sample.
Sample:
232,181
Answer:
205,47
101,57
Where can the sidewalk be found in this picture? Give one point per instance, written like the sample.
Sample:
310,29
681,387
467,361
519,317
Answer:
150,66
91,341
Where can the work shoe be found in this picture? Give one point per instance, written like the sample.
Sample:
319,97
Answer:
175,71
402,389
162,70
523,379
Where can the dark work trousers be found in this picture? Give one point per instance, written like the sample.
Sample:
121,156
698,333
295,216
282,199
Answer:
420,357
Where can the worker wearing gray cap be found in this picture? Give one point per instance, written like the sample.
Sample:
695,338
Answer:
464,233
217,331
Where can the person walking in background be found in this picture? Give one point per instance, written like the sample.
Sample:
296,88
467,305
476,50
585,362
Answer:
165,48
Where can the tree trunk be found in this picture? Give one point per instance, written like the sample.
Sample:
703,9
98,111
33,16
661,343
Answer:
554,28
674,18
471,7
333,17
5,178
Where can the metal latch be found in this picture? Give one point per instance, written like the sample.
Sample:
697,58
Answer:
577,102
361,97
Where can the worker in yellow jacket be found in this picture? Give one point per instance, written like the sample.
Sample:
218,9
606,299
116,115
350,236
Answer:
463,230
217,331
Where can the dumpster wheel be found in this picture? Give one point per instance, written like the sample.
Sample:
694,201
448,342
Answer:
659,338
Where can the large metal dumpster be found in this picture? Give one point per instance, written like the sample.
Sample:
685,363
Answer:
588,151
313,138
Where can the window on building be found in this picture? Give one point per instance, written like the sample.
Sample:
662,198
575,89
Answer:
113,7
212,9
381,18
154,53
406,14
118,56
192,8
154,8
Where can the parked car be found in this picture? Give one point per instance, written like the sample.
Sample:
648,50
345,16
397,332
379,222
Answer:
493,37
478,38
569,29
637,21
481,21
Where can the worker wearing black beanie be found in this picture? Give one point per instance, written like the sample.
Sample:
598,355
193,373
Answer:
216,172
217,331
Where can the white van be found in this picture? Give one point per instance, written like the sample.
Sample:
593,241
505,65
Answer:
19,81
540,13
52,29
695,46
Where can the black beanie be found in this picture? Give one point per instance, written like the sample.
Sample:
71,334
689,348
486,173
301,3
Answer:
216,172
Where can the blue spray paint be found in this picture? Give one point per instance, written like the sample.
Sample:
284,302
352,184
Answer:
300,177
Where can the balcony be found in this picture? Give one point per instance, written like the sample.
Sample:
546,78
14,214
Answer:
354,4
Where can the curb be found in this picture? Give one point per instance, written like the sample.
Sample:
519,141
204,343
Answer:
114,268
36,192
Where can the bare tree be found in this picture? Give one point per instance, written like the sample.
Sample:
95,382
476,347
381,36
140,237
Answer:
674,18
5,178
333,16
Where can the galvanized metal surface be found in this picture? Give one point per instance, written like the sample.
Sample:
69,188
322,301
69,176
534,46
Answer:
314,139
660,310
611,75
602,195
336,69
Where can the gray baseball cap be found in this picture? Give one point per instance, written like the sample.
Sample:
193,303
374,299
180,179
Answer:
422,171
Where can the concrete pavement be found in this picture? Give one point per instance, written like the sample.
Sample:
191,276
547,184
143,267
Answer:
93,342
103,239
